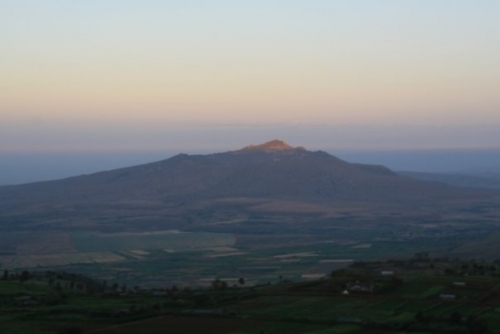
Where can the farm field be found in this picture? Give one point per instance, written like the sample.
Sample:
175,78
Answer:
196,266
173,257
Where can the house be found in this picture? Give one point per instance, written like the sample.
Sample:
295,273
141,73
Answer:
26,300
447,296
359,286
460,284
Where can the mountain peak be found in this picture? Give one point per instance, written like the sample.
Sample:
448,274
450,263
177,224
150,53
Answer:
273,145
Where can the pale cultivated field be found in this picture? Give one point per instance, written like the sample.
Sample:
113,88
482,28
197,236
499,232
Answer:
53,260
292,255
313,276
362,246
289,206
336,261
224,254
139,252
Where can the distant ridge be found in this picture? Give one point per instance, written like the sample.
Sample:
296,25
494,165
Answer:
457,180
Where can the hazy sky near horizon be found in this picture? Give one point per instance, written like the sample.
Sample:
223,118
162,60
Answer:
117,75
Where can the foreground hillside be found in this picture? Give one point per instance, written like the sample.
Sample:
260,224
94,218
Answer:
418,295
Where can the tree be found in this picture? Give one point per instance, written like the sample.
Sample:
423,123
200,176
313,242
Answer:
241,281
5,275
70,330
25,275
456,318
422,256
475,326
217,284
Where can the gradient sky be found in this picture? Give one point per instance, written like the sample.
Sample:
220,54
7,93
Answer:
148,75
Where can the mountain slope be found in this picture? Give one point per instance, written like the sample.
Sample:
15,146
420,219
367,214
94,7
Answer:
273,170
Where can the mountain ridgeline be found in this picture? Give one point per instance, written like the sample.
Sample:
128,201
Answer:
272,170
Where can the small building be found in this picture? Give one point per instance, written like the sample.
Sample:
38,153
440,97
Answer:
447,296
26,300
387,273
22,299
359,286
460,284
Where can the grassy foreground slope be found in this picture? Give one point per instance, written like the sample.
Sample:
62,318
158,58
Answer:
405,296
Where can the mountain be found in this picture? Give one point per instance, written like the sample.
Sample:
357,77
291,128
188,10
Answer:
273,171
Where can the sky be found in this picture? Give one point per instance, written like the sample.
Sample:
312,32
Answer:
191,75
